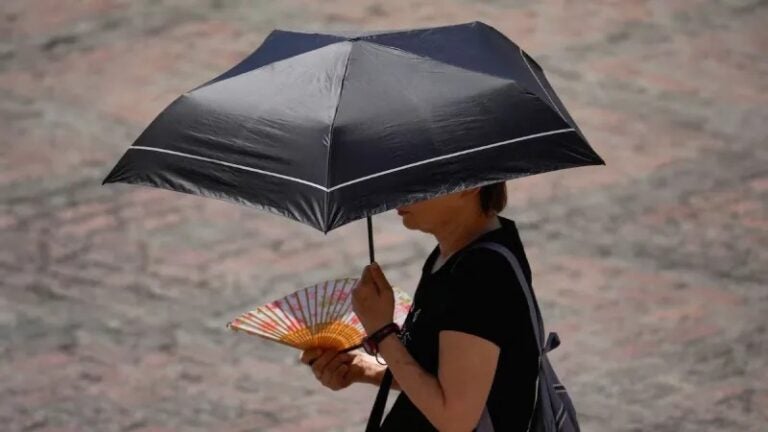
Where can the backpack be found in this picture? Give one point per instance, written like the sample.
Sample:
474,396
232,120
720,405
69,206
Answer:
553,409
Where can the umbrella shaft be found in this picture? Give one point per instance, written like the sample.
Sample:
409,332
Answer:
370,238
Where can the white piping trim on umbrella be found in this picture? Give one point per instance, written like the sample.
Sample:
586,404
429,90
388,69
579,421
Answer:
553,132
228,164
453,154
554,105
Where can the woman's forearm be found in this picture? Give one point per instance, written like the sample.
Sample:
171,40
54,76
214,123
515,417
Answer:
421,387
374,373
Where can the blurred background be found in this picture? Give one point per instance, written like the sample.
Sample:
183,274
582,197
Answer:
652,269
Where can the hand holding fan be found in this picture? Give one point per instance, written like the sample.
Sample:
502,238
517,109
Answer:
318,316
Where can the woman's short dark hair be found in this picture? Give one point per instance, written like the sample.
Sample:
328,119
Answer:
493,197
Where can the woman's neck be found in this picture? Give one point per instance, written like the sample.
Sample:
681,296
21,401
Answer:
460,233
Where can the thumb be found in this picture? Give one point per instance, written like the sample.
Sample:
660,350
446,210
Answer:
379,278
366,277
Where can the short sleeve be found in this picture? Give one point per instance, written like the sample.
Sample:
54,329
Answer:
487,300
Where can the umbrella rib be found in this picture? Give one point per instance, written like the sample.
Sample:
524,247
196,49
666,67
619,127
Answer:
459,153
553,132
522,54
330,133
228,164
554,105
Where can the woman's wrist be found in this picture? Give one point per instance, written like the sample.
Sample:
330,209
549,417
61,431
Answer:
390,338
372,371
388,343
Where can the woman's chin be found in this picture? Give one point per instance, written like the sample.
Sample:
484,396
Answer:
406,221
409,224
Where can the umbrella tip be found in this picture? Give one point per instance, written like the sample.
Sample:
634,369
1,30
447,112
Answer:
109,178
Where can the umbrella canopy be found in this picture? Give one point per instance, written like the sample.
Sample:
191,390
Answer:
329,128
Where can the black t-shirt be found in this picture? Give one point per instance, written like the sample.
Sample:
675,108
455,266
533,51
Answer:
480,296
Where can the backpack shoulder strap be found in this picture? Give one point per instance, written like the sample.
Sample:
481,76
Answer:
538,327
377,412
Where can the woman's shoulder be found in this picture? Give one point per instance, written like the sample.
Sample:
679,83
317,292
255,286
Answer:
478,258
481,266
487,263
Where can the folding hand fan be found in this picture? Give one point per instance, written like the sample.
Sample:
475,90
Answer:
318,316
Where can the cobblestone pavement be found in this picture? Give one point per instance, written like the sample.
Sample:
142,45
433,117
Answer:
652,269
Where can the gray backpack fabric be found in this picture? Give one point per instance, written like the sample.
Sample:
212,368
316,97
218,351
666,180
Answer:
553,408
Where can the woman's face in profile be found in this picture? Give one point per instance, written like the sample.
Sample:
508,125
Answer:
429,215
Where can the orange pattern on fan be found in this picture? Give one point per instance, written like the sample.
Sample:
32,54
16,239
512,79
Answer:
335,335
316,316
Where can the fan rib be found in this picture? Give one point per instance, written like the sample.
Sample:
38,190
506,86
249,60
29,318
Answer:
308,318
276,318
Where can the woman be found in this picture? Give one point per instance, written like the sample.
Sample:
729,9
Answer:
467,353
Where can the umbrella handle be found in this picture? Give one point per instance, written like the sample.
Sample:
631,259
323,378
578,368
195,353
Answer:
370,238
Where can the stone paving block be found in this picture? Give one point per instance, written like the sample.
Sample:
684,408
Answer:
30,18
123,63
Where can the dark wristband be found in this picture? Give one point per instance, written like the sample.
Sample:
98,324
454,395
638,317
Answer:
371,342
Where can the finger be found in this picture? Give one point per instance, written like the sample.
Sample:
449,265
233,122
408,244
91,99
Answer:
328,360
370,279
329,370
319,364
363,289
329,375
310,355
366,279
340,376
335,362
379,278
347,376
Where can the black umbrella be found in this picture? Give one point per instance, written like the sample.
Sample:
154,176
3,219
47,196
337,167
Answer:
329,128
